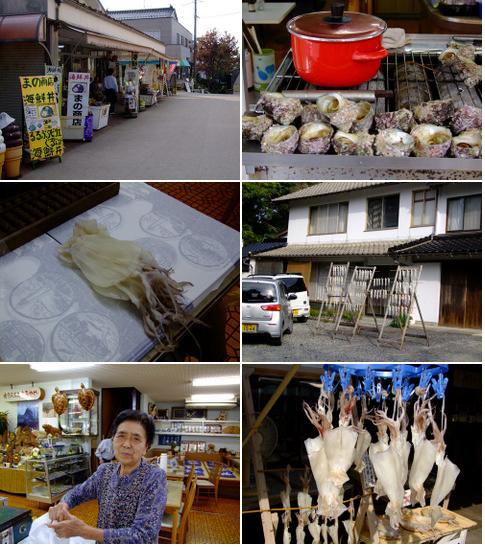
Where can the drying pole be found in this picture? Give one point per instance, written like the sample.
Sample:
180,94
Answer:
195,39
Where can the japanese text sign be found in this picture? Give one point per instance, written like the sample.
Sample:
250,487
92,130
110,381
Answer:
41,117
77,97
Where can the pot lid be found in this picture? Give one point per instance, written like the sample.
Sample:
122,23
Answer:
326,26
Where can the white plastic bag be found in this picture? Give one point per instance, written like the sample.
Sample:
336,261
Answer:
41,533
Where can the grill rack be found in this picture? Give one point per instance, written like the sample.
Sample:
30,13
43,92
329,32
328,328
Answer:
440,82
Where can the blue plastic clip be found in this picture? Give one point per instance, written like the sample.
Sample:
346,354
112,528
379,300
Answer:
344,378
424,379
396,379
378,392
327,381
369,386
407,390
439,385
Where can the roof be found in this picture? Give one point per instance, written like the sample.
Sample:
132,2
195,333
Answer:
470,243
261,247
332,187
153,13
362,248
338,187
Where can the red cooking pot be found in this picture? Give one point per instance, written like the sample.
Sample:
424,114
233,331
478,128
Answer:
337,49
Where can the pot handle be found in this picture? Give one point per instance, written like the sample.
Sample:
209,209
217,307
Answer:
364,56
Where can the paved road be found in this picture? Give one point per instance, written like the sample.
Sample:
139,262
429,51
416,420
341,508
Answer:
307,344
185,137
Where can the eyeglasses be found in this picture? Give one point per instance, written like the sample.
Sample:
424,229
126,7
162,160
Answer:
133,438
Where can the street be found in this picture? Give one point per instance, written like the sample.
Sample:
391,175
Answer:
309,344
184,137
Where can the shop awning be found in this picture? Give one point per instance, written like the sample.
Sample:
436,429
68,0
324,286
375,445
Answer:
184,63
23,28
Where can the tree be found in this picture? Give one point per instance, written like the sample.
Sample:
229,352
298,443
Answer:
263,219
217,55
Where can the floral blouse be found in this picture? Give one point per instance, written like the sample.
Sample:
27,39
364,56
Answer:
130,506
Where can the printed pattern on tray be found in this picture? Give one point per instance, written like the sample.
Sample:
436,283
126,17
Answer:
48,311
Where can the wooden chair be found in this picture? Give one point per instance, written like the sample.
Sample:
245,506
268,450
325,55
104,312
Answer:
207,486
165,533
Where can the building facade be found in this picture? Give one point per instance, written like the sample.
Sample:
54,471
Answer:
161,24
436,225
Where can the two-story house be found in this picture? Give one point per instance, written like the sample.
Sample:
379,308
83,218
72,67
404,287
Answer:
162,24
433,224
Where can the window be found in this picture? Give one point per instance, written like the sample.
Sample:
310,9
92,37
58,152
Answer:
253,293
424,208
328,219
383,212
464,213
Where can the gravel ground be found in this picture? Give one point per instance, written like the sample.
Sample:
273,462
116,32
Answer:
309,344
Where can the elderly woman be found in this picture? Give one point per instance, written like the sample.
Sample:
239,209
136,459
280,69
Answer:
131,493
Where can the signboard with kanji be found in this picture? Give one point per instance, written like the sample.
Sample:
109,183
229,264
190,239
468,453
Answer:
56,72
42,117
28,394
77,98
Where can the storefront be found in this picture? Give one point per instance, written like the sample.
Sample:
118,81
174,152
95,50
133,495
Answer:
69,37
52,420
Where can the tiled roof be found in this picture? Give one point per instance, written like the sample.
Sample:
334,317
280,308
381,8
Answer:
261,247
470,243
154,13
332,187
363,248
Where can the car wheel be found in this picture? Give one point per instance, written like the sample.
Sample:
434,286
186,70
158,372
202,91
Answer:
277,341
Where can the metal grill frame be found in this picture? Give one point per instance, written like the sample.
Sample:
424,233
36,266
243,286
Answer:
442,82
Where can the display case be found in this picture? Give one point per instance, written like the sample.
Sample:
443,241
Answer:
76,420
47,480
183,433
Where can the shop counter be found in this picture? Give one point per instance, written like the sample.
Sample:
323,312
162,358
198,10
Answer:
12,480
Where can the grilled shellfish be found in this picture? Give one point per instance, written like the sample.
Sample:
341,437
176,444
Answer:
365,117
311,113
280,139
254,127
282,109
436,112
315,138
340,112
467,144
431,140
466,117
394,143
402,119
353,144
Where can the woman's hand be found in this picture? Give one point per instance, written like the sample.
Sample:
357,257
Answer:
69,527
59,512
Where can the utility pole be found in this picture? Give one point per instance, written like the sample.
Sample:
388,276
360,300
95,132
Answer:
195,39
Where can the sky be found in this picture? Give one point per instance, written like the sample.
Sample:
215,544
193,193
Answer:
222,15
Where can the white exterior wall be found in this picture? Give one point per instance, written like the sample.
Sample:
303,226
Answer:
299,215
428,293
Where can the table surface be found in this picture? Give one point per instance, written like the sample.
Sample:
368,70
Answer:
273,13
174,496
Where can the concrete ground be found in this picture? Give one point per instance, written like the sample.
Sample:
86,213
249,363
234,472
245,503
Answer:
308,343
473,512
184,137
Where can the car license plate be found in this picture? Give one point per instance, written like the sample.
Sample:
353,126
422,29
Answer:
249,328
295,312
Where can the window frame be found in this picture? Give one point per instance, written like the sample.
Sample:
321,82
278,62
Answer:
413,223
339,203
382,198
448,200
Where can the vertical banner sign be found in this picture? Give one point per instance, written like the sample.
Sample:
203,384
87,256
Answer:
77,97
132,79
56,72
41,117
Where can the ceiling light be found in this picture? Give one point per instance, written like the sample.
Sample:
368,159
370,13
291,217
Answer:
211,398
217,381
60,367
210,405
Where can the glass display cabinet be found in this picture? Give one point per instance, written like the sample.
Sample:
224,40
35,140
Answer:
47,480
76,420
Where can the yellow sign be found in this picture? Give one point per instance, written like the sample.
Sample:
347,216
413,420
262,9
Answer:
42,117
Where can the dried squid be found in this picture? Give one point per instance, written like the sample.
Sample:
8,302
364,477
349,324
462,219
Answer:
254,127
123,270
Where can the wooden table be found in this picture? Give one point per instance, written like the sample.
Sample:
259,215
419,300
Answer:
174,501
176,474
